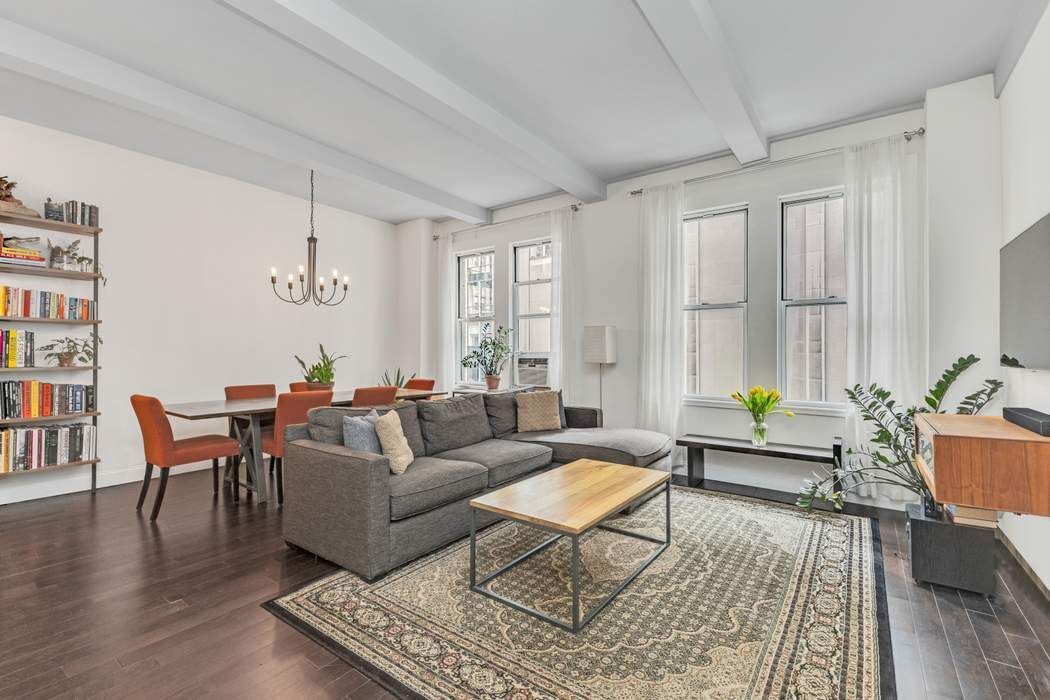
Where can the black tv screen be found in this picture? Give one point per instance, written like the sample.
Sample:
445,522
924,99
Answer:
1024,298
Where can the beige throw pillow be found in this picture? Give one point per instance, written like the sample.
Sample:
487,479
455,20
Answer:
538,410
392,439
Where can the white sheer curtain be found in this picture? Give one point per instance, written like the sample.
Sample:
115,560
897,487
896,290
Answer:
445,286
661,376
886,277
565,309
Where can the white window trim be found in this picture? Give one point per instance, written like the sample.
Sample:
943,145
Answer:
836,408
514,284
702,399
802,408
461,320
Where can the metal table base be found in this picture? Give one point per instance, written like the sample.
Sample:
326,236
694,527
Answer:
577,623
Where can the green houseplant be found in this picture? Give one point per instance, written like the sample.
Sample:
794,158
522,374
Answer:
320,374
66,352
888,457
397,379
760,403
491,354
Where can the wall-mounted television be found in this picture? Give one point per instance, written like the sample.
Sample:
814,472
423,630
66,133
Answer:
1024,298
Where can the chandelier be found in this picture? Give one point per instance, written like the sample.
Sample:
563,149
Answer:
308,289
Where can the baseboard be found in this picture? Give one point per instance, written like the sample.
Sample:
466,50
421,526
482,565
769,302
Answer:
1005,539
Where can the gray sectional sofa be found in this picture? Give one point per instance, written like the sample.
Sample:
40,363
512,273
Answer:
346,506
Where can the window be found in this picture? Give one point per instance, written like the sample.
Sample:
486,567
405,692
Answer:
476,306
715,258
813,299
532,312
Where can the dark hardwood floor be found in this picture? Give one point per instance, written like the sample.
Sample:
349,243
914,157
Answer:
95,601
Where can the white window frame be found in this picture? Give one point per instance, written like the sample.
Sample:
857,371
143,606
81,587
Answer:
707,399
462,320
515,316
831,408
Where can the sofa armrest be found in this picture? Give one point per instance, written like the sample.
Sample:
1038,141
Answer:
581,417
337,505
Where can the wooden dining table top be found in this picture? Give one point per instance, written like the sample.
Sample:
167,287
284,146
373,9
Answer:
225,408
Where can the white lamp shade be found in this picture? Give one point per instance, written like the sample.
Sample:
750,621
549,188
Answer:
599,344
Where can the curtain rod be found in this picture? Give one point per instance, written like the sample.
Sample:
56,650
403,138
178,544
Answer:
908,136
484,227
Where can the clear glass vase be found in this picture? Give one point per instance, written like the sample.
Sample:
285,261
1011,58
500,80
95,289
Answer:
759,433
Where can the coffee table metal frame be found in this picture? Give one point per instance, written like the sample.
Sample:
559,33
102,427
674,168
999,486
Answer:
577,623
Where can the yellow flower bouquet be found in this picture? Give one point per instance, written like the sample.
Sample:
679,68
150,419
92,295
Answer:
760,402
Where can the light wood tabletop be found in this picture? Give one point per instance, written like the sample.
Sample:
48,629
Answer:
573,498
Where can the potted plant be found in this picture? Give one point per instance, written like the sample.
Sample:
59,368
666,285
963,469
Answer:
321,374
490,355
888,459
760,403
70,258
397,379
68,351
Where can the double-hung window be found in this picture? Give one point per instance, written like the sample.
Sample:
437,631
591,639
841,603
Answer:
476,306
813,299
715,272
532,312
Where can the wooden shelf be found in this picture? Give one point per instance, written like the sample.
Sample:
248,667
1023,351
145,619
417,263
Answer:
48,368
49,225
12,269
81,463
64,321
48,419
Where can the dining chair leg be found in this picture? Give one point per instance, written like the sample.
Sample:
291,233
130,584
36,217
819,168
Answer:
236,483
145,486
280,480
273,461
160,493
215,475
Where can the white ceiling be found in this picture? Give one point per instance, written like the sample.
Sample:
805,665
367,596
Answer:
469,104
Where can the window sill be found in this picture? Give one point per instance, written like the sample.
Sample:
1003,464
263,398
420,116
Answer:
807,409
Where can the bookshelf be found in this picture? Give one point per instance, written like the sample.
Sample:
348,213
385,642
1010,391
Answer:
75,276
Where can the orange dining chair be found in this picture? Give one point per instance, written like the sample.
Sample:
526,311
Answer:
374,396
245,391
164,451
291,409
420,383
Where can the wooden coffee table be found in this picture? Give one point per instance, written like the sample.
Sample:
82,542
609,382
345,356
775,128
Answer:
569,501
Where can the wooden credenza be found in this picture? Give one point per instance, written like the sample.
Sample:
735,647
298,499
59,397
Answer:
983,462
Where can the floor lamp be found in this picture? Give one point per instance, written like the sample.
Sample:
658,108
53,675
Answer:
599,347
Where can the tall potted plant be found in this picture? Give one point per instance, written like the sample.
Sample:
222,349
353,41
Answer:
491,354
320,374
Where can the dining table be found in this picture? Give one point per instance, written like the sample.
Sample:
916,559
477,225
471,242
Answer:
254,412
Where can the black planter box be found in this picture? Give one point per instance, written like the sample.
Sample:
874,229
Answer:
960,556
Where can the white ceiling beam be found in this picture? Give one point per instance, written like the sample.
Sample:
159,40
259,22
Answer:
692,36
40,56
326,29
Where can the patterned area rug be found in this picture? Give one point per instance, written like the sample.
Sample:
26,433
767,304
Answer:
752,600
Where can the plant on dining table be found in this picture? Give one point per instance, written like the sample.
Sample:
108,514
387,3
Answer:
760,403
396,379
322,371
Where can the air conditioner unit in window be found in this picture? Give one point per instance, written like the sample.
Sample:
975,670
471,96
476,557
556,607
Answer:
533,371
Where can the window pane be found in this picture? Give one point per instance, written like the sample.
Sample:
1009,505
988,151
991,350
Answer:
714,356
533,262
470,340
534,298
534,334
715,249
815,355
475,285
814,250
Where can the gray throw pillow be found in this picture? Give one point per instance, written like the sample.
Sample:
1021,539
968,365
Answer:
359,433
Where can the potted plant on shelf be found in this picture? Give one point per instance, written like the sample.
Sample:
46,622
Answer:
321,374
68,351
760,403
491,354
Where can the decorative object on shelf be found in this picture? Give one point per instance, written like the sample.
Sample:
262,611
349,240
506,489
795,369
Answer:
889,458
53,211
19,250
308,291
397,379
491,354
321,374
599,348
70,258
760,403
68,351
11,204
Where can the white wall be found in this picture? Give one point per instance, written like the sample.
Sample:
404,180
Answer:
188,307
1025,112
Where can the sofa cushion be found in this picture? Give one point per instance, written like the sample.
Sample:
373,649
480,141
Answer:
502,410
433,482
359,433
326,423
620,445
506,460
539,411
392,439
451,423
